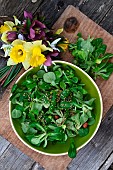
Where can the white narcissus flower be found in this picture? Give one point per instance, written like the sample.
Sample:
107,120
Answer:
17,22
6,48
54,43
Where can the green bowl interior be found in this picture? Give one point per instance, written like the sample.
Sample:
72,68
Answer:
59,148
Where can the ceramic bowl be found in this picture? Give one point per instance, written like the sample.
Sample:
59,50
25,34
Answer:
59,149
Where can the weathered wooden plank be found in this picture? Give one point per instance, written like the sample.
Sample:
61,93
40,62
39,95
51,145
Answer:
107,22
37,167
93,155
10,8
3,145
107,163
96,10
54,9
14,159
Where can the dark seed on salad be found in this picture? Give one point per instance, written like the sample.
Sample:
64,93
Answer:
53,106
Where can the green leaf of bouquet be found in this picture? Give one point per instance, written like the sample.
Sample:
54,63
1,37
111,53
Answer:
14,88
13,74
28,23
49,77
16,114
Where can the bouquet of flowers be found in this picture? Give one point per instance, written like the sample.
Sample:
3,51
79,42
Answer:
28,43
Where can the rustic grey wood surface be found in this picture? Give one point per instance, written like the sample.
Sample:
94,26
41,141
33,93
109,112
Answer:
12,158
98,154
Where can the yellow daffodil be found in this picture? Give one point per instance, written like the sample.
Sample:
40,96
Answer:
34,53
4,37
37,57
39,44
29,53
18,54
64,45
8,26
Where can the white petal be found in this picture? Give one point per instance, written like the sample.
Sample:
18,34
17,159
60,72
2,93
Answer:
16,20
20,36
10,62
45,67
55,41
26,64
54,48
44,48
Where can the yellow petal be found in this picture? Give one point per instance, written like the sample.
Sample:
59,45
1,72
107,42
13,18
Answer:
44,48
59,31
26,64
18,54
64,45
18,42
9,23
4,28
36,51
37,43
28,46
37,58
4,37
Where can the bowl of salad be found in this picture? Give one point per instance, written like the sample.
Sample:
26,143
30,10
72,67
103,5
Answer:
57,111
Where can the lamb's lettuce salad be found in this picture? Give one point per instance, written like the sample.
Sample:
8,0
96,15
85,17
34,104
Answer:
53,106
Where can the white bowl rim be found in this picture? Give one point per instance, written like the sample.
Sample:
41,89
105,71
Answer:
101,104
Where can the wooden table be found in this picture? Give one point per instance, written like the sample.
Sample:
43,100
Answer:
98,154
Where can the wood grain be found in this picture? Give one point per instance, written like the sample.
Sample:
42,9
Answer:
13,159
108,162
86,27
3,145
93,155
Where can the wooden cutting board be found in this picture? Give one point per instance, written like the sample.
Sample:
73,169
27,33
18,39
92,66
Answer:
86,27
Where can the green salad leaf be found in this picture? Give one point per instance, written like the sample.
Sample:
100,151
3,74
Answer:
53,106
72,150
91,56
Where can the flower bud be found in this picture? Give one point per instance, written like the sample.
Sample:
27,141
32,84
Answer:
11,36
